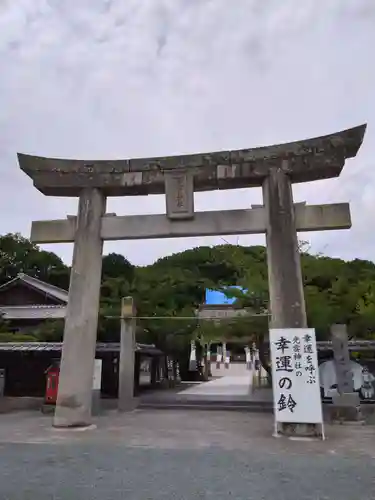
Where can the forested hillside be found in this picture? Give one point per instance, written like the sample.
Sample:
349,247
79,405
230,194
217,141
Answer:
335,291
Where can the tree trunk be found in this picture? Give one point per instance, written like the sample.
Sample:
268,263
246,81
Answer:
206,367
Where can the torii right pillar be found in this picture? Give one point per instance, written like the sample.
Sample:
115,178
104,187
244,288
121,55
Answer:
287,302
307,161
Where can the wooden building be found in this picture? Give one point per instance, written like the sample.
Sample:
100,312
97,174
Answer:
26,302
25,364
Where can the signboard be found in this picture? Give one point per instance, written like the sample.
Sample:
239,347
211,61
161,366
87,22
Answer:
207,313
127,307
295,376
179,194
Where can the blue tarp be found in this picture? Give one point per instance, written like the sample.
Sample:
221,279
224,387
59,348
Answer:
217,298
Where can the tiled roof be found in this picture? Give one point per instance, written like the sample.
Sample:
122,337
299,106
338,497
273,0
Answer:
57,346
51,290
150,349
33,312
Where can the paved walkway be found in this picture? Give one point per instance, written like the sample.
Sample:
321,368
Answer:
226,389
175,455
224,386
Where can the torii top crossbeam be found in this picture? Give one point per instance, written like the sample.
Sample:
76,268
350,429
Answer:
309,160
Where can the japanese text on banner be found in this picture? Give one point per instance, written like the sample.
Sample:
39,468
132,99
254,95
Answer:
295,376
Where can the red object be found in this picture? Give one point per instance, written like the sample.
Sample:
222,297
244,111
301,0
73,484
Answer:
52,384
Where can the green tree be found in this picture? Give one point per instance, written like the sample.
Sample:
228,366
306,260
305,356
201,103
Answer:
19,255
335,291
49,331
116,266
362,324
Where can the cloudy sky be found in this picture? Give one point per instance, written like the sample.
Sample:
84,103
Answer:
105,79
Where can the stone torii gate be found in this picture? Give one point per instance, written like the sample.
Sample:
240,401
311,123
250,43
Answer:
274,168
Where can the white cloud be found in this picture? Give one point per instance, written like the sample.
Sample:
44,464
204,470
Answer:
113,79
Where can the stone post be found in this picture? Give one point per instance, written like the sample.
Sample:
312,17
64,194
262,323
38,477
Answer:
154,371
126,399
225,354
209,360
219,356
341,359
74,399
287,301
346,404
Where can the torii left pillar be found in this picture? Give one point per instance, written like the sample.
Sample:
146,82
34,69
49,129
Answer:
73,408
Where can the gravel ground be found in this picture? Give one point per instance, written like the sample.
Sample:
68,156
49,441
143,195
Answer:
181,455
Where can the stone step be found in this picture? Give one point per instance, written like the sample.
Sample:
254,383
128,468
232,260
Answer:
246,406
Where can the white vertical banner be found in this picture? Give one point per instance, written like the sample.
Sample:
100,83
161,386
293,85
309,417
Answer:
224,352
97,376
248,358
295,376
227,359
218,360
193,357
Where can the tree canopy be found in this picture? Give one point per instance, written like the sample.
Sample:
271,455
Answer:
173,287
19,255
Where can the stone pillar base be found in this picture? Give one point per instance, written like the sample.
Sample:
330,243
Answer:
128,405
346,408
192,366
299,430
96,403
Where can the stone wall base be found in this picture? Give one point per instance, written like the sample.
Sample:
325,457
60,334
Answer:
345,408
